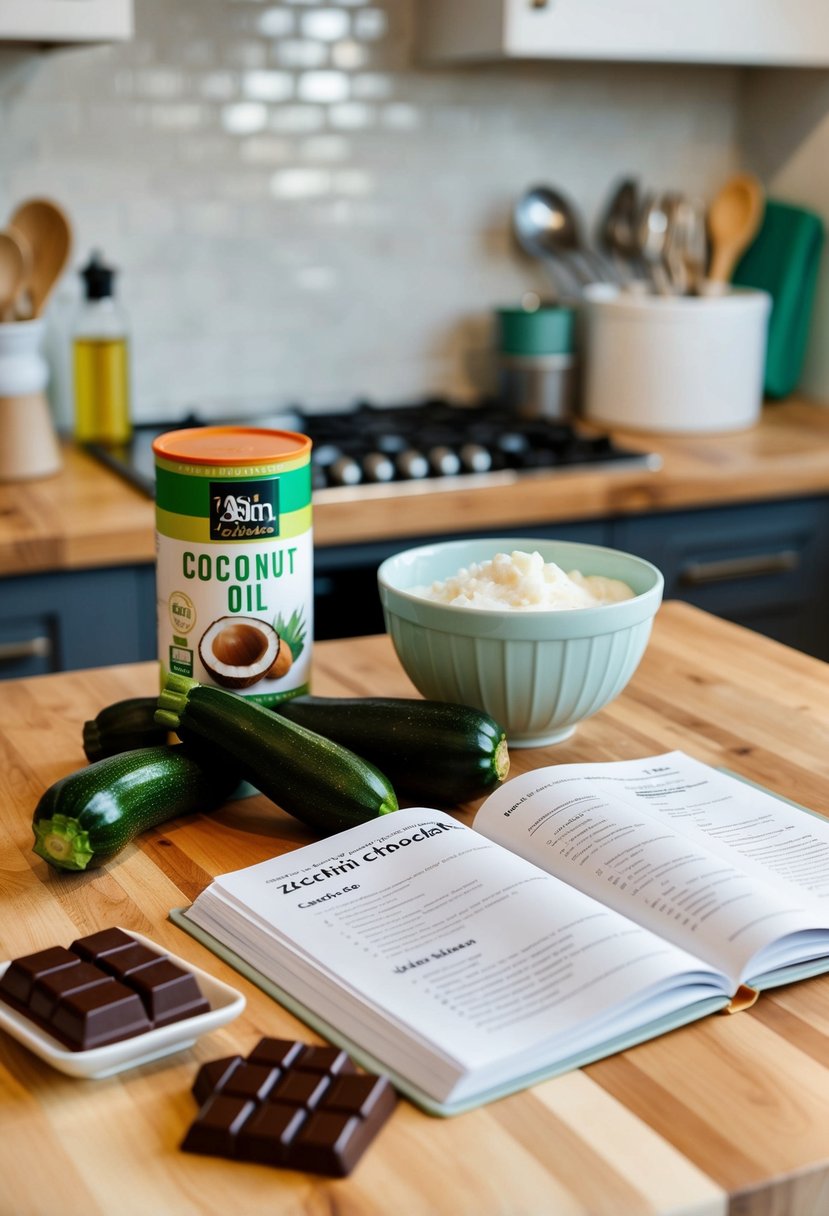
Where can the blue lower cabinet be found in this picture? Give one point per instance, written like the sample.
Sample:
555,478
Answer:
765,566
77,619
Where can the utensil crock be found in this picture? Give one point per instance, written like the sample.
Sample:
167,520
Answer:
28,443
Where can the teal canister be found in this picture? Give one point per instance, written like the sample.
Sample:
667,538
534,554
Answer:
537,361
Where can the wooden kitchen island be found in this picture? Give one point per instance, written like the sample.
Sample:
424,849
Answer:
730,1114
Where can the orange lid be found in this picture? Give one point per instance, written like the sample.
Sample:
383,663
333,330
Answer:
231,445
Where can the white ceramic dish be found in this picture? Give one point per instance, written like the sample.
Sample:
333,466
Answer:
225,1005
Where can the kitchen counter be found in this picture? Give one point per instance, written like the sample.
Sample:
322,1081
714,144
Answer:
730,1114
87,517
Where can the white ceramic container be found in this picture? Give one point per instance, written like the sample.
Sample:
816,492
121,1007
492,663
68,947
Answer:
28,443
674,364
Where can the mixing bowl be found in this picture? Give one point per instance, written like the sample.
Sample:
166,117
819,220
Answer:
538,672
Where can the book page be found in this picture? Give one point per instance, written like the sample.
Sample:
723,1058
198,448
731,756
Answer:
755,831
618,832
455,939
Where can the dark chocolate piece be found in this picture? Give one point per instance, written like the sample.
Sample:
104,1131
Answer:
105,1013
21,973
288,1104
131,958
104,988
168,991
105,941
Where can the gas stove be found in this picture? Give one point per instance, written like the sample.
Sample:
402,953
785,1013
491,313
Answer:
379,451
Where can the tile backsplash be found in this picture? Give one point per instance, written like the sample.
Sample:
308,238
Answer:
300,211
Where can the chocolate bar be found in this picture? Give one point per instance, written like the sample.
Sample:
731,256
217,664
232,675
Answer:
103,988
291,1105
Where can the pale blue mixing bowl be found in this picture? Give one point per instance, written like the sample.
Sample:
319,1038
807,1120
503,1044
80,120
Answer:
538,673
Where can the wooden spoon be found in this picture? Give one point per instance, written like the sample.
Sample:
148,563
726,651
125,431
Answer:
15,268
47,229
734,218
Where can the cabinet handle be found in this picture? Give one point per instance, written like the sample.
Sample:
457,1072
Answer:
31,648
697,573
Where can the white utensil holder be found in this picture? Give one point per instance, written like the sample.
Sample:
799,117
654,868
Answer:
674,364
28,444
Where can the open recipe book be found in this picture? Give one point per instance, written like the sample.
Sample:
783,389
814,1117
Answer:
591,907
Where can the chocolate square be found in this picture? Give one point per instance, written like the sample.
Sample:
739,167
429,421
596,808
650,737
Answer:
122,963
254,1081
168,992
279,1053
96,1016
95,945
217,1126
267,1135
20,975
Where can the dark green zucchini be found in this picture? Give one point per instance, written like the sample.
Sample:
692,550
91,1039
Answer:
324,785
84,819
431,751
123,727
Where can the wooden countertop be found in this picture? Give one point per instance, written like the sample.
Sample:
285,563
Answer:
86,516
730,1114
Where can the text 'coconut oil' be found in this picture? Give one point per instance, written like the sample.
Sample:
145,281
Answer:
234,559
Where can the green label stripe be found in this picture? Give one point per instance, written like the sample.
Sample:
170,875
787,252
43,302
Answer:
187,495
197,530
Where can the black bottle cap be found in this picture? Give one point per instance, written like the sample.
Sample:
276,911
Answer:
98,278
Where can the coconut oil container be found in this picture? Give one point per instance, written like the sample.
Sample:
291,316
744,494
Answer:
234,559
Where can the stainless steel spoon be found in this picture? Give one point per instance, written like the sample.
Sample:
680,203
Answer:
546,226
617,231
652,238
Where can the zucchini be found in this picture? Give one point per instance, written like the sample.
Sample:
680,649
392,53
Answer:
84,819
123,727
430,750
324,785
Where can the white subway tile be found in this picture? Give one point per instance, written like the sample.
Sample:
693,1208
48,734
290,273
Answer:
323,86
244,117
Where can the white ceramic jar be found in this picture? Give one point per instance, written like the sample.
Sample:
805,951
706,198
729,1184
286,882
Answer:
674,364
28,443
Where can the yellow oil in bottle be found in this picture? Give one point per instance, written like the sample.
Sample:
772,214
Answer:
102,394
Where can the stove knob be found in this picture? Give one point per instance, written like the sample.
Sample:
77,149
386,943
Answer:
378,467
325,454
412,465
444,461
475,458
514,447
345,472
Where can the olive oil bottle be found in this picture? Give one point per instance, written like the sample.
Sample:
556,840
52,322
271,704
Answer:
101,361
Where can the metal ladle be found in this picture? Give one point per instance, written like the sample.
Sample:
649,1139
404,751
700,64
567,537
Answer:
547,228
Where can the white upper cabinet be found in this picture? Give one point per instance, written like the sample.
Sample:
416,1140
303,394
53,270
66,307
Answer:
49,22
761,32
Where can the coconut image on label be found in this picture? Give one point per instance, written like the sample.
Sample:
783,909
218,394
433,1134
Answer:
239,651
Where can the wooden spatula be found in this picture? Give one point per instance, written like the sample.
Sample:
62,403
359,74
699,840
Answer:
47,229
734,219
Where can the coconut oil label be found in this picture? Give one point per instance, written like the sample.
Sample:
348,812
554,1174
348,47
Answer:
235,577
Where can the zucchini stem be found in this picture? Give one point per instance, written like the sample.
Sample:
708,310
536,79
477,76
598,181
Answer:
173,700
62,842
